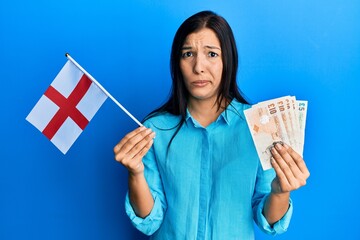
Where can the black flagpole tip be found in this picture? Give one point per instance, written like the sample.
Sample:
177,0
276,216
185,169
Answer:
67,54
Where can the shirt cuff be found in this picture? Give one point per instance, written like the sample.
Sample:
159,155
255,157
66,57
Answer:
150,223
280,226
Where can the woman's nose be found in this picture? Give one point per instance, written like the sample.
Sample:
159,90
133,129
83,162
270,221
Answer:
199,64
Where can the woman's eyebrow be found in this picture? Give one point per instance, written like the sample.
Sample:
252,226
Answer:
212,47
207,46
186,48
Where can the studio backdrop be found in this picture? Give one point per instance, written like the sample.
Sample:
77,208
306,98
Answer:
309,49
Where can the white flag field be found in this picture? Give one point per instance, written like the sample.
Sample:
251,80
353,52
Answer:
278,120
68,105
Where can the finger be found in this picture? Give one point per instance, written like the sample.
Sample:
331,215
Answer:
298,179
144,150
133,146
131,142
128,142
298,160
141,144
134,163
282,179
282,151
127,137
284,167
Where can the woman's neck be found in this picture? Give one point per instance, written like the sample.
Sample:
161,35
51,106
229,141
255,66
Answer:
206,111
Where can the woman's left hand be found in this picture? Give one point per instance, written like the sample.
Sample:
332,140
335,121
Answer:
290,168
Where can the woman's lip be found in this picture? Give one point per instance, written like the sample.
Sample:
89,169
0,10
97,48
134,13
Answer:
200,83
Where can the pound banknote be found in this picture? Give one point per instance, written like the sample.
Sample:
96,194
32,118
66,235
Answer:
277,120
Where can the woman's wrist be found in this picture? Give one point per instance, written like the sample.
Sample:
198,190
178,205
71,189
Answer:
285,195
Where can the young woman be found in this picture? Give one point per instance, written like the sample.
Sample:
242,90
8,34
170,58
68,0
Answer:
201,178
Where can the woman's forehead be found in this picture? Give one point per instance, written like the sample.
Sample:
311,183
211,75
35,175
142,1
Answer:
204,36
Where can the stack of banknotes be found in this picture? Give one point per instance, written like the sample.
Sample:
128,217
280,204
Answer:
278,120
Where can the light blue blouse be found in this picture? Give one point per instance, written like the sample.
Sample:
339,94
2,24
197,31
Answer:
209,184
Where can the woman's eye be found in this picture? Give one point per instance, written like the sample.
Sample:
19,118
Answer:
187,54
213,54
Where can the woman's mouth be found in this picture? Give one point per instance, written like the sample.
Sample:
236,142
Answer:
200,83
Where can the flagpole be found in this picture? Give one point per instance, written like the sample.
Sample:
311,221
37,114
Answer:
102,88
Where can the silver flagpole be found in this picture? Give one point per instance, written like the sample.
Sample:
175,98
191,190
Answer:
102,88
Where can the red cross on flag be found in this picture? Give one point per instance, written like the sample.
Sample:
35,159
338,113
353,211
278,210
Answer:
67,106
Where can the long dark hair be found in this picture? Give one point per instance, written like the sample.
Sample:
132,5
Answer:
228,90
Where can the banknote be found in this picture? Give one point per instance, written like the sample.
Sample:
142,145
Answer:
280,119
276,108
295,113
293,122
302,111
265,130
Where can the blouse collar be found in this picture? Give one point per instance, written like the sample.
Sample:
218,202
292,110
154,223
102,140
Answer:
234,109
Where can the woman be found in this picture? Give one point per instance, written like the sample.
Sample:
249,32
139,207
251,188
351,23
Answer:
201,177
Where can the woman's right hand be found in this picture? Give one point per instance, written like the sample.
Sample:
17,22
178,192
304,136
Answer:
133,147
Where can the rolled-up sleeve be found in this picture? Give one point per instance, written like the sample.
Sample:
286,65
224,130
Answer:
261,193
152,222
280,226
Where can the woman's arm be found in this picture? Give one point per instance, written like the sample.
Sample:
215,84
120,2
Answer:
276,206
129,152
291,174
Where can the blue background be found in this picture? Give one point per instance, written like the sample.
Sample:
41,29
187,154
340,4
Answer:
310,49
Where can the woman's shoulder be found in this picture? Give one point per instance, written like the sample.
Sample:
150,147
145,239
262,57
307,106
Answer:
238,106
162,120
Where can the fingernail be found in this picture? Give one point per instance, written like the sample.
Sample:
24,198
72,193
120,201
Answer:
148,130
153,134
278,146
278,142
272,150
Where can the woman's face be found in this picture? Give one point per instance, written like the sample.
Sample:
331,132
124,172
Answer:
201,64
